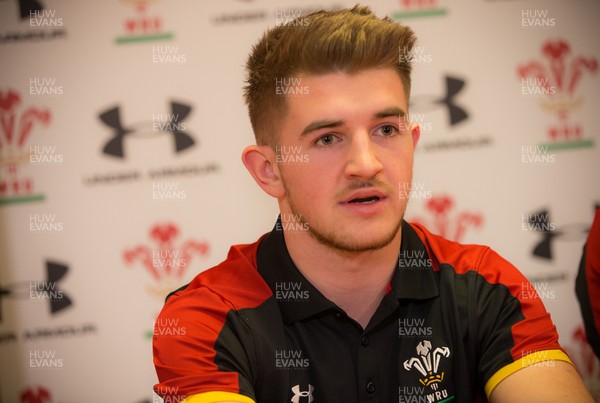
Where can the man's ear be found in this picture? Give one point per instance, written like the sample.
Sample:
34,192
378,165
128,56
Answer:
260,162
415,132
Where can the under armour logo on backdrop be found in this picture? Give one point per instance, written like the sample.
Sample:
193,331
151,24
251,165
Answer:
172,123
549,232
45,290
26,7
298,394
454,86
456,114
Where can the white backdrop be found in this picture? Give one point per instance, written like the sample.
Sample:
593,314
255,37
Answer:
507,93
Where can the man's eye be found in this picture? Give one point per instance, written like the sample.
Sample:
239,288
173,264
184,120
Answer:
326,140
387,130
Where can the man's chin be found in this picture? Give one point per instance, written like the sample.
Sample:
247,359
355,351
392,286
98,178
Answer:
355,242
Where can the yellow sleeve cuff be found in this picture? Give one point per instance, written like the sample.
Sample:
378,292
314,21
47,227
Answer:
525,361
215,397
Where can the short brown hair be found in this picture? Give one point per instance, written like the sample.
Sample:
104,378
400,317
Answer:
348,40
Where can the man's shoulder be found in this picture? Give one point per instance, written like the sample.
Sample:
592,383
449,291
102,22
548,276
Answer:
446,250
234,283
467,257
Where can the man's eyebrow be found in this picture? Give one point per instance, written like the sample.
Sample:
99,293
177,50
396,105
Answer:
392,111
321,124
329,124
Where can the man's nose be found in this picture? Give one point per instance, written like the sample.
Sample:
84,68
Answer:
362,159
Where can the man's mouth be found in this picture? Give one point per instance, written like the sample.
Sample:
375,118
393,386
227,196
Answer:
364,196
365,200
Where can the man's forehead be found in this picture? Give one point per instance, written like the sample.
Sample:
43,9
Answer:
373,93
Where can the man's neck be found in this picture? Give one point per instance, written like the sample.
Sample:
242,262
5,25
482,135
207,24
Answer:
356,282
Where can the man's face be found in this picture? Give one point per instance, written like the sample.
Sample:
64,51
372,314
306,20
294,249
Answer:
344,152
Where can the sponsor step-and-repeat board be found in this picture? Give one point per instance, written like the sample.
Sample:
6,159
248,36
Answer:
121,129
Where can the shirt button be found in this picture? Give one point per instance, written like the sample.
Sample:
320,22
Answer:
371,387
364,341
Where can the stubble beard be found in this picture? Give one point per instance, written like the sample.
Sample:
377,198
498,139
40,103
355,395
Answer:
341,243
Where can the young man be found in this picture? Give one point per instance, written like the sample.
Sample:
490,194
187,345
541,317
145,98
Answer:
587,285
344,301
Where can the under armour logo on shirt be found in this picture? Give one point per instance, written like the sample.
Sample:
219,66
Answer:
298,394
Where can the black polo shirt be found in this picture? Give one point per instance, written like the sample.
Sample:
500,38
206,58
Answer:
456,320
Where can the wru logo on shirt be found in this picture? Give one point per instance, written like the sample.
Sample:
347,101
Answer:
298,394
427,363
